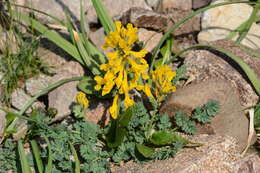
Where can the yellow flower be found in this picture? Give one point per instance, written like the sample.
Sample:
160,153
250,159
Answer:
162,78
82,99
114,108
125,67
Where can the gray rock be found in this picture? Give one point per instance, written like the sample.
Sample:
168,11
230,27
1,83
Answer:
97,38
19,98
149,38
249,164
176,4
218,22
144,18
116,8
62,97
218,154
203,65
230,120
199,3
154,4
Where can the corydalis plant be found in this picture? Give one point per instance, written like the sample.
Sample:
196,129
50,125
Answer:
126,68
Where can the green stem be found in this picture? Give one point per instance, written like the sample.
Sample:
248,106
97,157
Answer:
177,24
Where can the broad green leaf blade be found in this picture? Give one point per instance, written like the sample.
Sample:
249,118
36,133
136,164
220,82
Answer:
165,137
145,151
87,85
77,163
125,119
36,154
116,135
23,159
103,16
180,22
245,67
162,137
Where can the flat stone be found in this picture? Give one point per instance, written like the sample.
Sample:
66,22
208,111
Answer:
230,120
218,154
149,38
249,164
62,97
176,4
154,4
218,22
19,98
120,6
200,3
98,112
97,38
143,18
203,65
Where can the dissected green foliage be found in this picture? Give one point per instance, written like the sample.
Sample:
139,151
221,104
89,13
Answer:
202,114
184,122
8,157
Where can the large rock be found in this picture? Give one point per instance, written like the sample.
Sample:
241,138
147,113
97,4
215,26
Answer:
218,22
19,98
116,8
203,64
199,3
149,38
230,120
144,18
218,154
62,97
176,4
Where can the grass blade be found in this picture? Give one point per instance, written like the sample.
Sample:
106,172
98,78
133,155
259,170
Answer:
34,98
177,24
103,16
52,36
36,154
249,72
24,162
48,168
248,24
77,163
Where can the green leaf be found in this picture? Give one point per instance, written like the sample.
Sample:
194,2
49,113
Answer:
87,85
144,150
36,153
77,163
166,51
166,137
24,162
183,121
125,119
163,137
48,168
103,16
115,135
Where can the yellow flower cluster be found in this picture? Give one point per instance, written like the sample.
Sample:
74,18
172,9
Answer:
125,66
82,99
162,77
